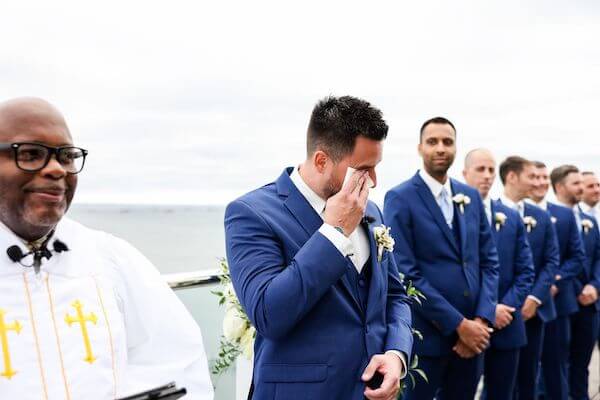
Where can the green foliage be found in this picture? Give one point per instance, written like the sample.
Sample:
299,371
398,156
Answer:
228,352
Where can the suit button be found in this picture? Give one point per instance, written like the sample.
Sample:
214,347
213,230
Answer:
466,293
465,264
361,282
367,328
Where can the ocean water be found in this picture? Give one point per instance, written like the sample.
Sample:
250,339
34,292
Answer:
175,239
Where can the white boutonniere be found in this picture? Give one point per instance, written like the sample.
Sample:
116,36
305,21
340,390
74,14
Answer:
383,239
553,219
587,224
529,222
500,219
462,200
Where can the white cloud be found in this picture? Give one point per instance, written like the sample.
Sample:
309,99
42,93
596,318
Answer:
198,102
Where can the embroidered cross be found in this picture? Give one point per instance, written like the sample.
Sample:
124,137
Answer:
81,319
4,328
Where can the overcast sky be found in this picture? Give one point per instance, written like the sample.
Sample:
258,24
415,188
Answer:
197,102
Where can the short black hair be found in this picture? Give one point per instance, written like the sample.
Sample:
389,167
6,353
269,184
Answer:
514,164
559,174
436,120
336,122
539,164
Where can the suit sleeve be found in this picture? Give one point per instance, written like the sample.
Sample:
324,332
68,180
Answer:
399,321
276,294
573,262
524,271
488,265
435,307
545,278
595,261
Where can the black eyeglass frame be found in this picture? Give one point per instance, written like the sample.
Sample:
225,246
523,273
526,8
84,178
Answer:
51,151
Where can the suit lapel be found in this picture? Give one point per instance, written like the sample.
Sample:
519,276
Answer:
376,275
495,233
434,210
310,221
461,221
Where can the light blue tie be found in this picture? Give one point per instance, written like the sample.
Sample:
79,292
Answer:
578,219
446,206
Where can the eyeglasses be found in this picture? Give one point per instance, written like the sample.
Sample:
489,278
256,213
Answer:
33,157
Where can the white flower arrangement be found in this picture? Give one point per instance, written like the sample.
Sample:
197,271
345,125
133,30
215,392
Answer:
500,219
238,333
383,239
462,200
529,222
587,224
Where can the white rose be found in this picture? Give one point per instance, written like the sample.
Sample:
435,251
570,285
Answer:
233,324
247,343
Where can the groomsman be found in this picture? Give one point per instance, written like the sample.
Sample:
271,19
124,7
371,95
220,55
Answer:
568,186
516,279
518,176
557,333
590,200
444,245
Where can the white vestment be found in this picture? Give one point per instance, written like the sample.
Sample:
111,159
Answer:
97,322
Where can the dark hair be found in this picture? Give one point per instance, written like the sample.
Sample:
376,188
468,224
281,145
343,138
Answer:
559,174
336,122
436,120
539,164
514,164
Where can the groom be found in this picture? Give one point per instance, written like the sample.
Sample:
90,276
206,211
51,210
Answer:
325,297
444,245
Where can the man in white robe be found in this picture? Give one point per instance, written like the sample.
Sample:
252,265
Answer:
83,315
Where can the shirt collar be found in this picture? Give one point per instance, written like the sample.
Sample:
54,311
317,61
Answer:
315,201
542,204
511,204
575,207
586,208
434,185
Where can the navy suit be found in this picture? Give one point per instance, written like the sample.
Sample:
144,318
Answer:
584,323
544,248
457,271
516,280
318,321
557,333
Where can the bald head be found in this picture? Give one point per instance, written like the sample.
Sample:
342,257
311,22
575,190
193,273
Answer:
480,170
26,113
32,201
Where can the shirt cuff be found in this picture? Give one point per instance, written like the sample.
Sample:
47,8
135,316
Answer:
538,301
341,242
402,361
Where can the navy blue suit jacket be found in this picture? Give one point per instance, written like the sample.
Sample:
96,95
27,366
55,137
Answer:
314,338
590,274
516,274
546,258
572,258
458,280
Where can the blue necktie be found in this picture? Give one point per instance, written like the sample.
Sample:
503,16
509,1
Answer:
578,219
446,206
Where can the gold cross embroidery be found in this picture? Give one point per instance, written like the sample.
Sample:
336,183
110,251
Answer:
4,328
82,319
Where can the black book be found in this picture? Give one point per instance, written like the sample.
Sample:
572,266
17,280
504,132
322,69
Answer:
166,392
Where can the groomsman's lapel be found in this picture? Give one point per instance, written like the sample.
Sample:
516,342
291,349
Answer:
435,210
495,232
462,226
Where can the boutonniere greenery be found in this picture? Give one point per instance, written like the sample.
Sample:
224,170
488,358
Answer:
587,224
500,219
383,239
462,200
529,222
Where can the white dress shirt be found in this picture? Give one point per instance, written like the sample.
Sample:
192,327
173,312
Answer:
487,205
542,204
436,189
356,246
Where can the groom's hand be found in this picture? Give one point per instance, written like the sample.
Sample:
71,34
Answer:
474,334
390,366
347,207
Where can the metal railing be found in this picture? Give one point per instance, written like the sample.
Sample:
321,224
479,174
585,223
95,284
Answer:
183,280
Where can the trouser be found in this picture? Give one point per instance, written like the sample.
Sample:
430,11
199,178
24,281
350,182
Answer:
584,333
529,360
